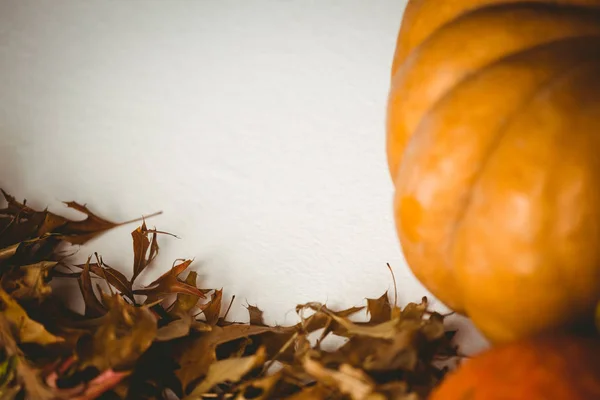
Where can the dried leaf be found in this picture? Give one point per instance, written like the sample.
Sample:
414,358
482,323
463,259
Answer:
145,249
261,388
256,315
316,392
27,330
230,370
184,303
348,380
125,333
28,282
213,311
169,283
114,278
80,232
175,329
379,309
9,251
93,306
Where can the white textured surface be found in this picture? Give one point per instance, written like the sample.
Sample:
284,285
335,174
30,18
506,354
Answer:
256,126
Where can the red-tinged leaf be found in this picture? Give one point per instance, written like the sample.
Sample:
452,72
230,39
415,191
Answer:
93,306
103,382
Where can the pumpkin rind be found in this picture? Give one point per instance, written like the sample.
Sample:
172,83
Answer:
423,17
552,368
497,200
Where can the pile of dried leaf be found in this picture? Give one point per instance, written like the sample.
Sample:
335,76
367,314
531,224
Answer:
127,348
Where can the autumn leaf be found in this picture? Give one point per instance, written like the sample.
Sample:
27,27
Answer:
175,329
9,251
27,330
80,232
212,311
169,283
125,333
348,380
26,223
256,315
28,282
229,370
184,303
112,276
313,392
93,306
262,388
145,249
379,309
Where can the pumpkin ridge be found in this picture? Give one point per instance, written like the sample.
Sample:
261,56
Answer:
398,135
546,85
502,324
413,12
538,91
491,7
586,48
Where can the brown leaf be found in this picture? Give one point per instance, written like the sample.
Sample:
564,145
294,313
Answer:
175,329
141,244
348,380
385,330
256,315
169,283
114,278
196,353
316,392
26,329
126,332
28,282
9,251
93,306
229,370
212,312
379,309
184,303
80,232
260,389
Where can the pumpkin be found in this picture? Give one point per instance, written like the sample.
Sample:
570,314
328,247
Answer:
550,368
493,145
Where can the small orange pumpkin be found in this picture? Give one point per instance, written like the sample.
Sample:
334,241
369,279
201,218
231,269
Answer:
551,368
493,143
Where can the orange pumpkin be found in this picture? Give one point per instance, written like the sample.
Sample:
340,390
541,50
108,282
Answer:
552,368
493,143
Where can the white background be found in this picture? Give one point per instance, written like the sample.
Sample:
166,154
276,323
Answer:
257,127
